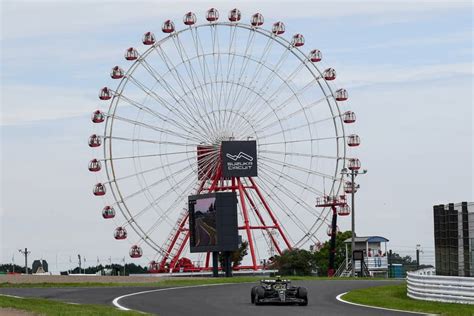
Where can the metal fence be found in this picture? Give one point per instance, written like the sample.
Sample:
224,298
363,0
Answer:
440,288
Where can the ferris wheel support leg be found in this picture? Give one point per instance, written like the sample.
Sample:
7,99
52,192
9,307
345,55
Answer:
275,222
246,223
332,250
172,244
180,250
262,221
208,257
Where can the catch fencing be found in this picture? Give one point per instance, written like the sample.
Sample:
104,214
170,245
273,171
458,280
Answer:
438,288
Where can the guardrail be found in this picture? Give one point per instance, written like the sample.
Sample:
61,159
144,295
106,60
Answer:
438,288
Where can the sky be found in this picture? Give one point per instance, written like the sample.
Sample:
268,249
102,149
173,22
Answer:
406,64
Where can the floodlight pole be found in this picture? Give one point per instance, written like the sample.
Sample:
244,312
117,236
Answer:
353,174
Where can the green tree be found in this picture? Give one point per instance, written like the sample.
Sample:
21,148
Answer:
237,256
294,262
322,256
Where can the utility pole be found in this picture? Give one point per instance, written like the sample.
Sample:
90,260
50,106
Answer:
25,253
418,248
79,257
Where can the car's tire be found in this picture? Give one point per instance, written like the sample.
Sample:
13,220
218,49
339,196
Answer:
259,295
252,294
302,293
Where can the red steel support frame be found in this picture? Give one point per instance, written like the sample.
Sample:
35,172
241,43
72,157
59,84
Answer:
218,184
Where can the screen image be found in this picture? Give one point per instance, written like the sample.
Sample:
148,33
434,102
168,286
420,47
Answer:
205,232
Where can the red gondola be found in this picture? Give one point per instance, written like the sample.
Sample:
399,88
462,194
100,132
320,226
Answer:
354,164
257,19
105,94
97,117
95,141
189,18
168,26
329,230
117,73
298,40
278,28
349,117
341,95
99,189
315,55
108,212
95,165
148,38
343,210
135,252
353,140
212,15
329,74
131,53
348,187
234,15
120,233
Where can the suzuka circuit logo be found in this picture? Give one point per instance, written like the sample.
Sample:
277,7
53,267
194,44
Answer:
240,155
242,161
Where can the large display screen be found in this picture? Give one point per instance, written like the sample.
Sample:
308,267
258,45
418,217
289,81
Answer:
205,222
213,222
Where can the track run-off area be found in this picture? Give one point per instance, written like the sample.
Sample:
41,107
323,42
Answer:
219,299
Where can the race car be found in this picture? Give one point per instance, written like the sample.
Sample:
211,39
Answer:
278,291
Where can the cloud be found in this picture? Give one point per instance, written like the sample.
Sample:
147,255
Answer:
21,19
28,103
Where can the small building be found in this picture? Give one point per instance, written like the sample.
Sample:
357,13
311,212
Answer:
454,239
374,250
40,266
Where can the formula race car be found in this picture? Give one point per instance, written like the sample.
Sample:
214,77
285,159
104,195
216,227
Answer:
278,291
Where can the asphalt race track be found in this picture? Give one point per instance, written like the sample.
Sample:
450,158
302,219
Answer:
232,299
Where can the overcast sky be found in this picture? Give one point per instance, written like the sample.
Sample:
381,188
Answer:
407,66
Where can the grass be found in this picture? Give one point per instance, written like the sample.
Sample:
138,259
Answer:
395,296
54,308
167,282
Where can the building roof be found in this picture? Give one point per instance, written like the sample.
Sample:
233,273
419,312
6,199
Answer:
367,239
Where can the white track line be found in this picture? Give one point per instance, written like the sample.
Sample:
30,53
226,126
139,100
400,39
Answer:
13,296
116,300
339,298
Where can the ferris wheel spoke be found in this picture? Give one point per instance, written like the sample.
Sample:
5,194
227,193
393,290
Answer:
202,66
186,117
238,91
284,82
308,140
174,163
285,209
147,156
291,179
205,68
311,210
245,61
230,63
192,73
282,131
190,138
270,77
299,168
150,141
288,116
182,83
161,180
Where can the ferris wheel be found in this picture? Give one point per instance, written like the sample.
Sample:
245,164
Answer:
181,97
